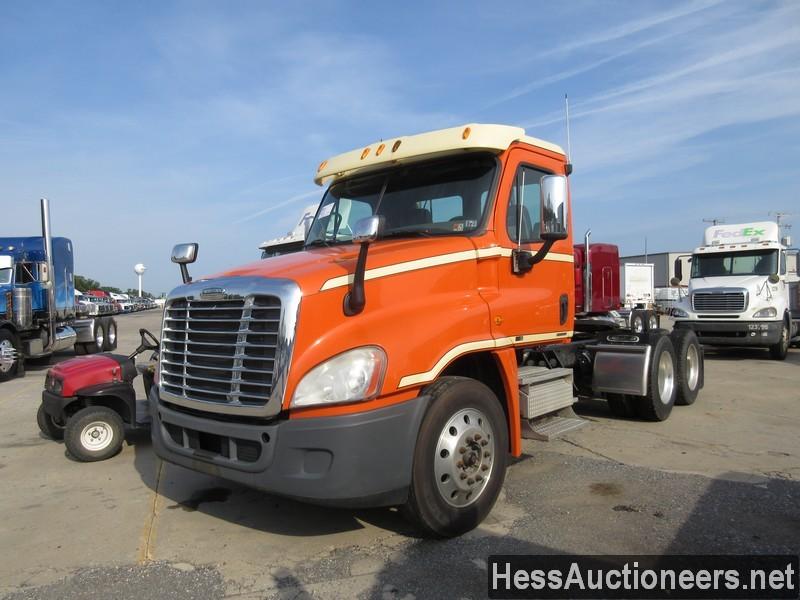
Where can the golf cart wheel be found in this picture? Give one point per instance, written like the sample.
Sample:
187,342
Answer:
94,433
48,426
689,368
111,335
661,383
459,460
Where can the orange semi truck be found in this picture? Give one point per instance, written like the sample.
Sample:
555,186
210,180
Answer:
428,326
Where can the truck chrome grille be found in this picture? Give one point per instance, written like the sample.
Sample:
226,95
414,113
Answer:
719,301
221,351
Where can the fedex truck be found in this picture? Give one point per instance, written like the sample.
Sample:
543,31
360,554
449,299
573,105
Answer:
743,289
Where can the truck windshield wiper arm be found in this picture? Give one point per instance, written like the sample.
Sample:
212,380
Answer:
411,233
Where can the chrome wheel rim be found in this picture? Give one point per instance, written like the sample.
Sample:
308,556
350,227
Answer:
464,459
99,338
692,367
666,378
638,324
112,334
785,337
7,356
652,322
97,436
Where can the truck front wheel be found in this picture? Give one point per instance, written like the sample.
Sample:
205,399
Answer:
780,349
460,458
9,355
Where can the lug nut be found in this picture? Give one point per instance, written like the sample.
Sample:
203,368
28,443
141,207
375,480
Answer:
478,478
463,476
462,450
484,442
484,467
460,464
486,454
470,481
477,436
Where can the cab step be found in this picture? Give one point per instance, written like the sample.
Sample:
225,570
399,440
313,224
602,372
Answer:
546,399
553,426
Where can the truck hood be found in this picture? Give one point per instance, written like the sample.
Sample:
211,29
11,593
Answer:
749,282
312,268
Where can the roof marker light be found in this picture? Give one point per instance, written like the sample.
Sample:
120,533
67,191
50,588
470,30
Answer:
364,153
322,165
380,149
396,146
465,133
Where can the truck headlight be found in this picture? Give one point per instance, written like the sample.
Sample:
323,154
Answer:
349,377
766,313
679,312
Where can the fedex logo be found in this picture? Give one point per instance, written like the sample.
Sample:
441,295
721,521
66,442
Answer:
746,232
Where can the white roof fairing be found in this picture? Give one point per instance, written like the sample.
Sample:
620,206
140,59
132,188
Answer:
495,138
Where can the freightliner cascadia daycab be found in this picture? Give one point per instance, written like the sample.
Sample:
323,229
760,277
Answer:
427,326
743,289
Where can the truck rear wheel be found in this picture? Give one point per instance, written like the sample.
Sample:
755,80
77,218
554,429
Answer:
111,335
638,321
622,405
661,383
459,459
99,338
94,433
9,355
780,349
689,367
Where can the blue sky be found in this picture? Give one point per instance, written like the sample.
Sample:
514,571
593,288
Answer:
150,123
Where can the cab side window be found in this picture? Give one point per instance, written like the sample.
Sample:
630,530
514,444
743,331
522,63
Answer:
522,217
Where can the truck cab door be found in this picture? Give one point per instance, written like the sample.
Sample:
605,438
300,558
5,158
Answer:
537,305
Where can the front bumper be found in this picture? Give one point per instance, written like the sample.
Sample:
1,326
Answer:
734,333
357,460
54,404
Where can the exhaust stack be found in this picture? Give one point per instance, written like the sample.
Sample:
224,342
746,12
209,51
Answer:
51,292
587,274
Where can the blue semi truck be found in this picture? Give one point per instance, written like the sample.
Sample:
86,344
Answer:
38,312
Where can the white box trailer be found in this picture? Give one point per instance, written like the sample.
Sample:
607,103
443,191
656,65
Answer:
636,283
664,264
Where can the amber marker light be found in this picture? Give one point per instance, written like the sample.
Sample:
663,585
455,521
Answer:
465,133
364,153
322,165
396,146
380,149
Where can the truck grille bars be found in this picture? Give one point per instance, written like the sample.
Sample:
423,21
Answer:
223,351
719,301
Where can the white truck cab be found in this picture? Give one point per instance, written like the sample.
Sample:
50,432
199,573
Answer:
743,289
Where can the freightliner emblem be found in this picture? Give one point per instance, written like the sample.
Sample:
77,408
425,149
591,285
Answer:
214,293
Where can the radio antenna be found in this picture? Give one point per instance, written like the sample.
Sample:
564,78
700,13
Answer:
714,221
569,145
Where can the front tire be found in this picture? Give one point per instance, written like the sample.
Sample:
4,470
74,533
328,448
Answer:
94,433
460,458
780,349
48,426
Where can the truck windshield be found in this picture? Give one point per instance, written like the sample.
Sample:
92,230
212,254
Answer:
5,276
722,264
446,197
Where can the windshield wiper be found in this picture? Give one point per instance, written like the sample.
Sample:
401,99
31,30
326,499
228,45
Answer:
410,233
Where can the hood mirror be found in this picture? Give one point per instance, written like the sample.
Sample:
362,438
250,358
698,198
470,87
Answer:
774,278
368,230
185,254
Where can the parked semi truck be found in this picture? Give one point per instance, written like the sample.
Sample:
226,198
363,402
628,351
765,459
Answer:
743,290
429,324
38,310
292,241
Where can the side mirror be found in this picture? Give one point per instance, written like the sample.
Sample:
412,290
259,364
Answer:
675,282
184,254
678,271
774,278
553,206
368,230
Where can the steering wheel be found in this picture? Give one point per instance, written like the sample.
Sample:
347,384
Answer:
149,341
